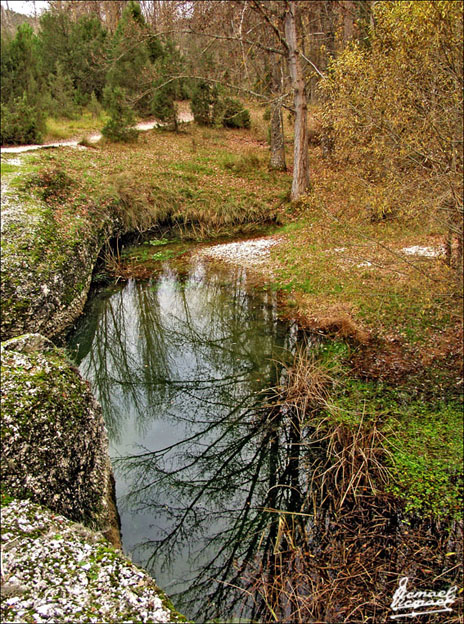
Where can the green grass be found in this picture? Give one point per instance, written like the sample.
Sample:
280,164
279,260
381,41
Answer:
62,129
192,191
422,431
425,461
10,171
8,168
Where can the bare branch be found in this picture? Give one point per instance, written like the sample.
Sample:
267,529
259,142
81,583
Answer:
230,38
260,9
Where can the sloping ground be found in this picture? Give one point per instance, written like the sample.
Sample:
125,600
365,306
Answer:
56,218
55,570
61,207
396,360
54,439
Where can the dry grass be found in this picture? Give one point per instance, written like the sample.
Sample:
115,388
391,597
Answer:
211,190
62,129
340,558
336,258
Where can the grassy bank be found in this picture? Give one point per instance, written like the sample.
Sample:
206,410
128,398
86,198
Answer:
60,129
340,270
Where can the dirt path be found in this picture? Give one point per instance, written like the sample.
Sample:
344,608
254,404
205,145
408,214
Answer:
184,116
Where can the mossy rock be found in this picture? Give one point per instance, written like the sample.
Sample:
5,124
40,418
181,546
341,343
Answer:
53,435
48,255
60,571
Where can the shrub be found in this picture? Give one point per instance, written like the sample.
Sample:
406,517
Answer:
210,109
163,106
231,113
94,106
204,100
62,103
119,127
21,123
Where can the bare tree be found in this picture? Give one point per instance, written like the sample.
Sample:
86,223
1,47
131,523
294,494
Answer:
300,182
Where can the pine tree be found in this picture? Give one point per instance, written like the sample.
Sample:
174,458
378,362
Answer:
130,59
62,92
121,122
94,106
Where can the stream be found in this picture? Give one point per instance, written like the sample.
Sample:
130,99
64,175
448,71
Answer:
182,365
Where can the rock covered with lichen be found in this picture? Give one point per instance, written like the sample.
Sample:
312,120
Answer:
54,441
48,255
54,570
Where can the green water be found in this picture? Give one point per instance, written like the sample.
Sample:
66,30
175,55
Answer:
182,365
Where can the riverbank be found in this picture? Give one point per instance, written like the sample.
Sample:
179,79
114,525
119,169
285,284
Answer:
394,316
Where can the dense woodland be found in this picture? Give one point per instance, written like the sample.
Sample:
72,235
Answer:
339,121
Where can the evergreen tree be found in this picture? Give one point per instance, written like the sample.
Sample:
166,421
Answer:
130,59
88,62
168,63
80,47
121,122
230,113
62,94
21,122
94,105
54,41
204,100
20,68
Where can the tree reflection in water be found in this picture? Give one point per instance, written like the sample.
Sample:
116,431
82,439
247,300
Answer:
181,365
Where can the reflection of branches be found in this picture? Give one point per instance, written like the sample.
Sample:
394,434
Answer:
226,475
198,353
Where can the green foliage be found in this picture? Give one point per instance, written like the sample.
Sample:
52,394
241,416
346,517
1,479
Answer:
119,127
21,122
79,46
130,58
21,67
204,99
231,114
94,106
422,439
88,52
426,458
54,40
163,107
62,94
210,109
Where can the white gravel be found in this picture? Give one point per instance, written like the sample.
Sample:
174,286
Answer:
54,570
429,252
250,252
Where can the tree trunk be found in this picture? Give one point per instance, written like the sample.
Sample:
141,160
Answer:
300,183
277,160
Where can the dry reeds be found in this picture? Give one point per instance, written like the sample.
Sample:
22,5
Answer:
342,560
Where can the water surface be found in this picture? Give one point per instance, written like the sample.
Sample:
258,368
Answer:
181,365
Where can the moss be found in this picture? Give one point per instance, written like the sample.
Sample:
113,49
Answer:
51,420
423,436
